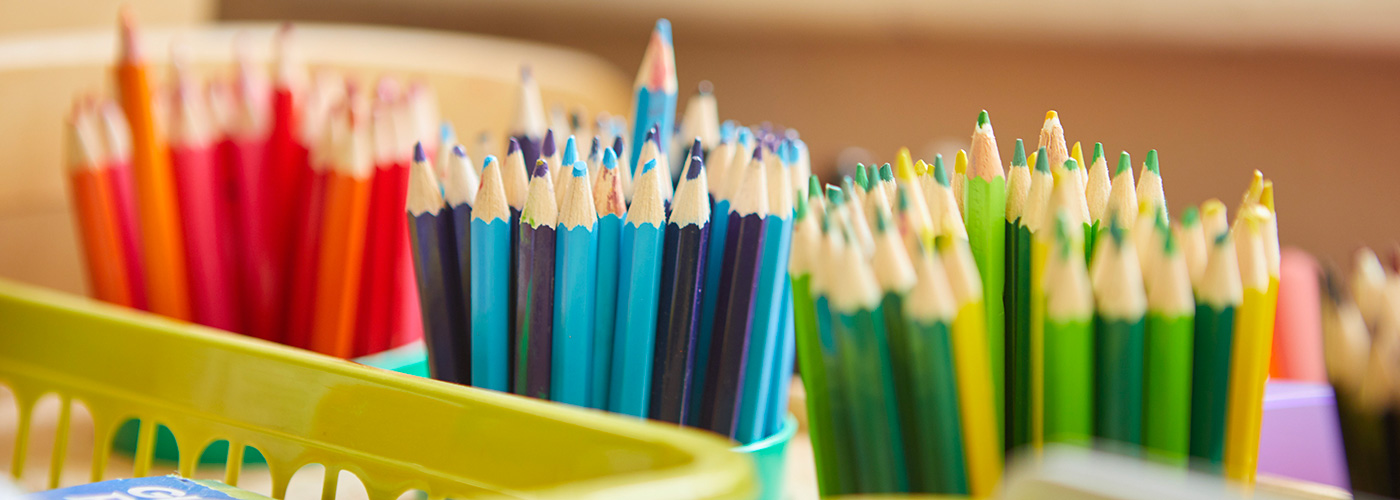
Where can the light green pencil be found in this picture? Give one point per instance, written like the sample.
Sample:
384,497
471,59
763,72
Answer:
1069,339
986,234
1170,325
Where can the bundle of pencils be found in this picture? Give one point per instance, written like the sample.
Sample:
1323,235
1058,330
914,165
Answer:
618,279
1119,329
1361,335
265,208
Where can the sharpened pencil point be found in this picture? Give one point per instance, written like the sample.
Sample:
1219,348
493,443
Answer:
1042,161
593,149
663,28
940,173
1152,165
960,162
570,152
727,132
541,168
1115,230
1018,159
1098,152
1071,165
903,163
758,153
886,173
514,147
920,168
1125,163
488,162
697,165
459,151
418,154
610,159
814,186
580,169
982,119
1051,115
862,177
650,164
835,195
705,87
617,145
1190,217
695,148
548,148
799,208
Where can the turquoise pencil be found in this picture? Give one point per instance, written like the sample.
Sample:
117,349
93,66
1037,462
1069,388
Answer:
654,104
766,323
490,284
612,208
576,254
637,294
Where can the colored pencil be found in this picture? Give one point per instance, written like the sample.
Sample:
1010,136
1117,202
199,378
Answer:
766,325
549,152
529,126
1149,187
376,296
95,208
936,432
116,135
1119,343
1052,139
842,446
782,371
1249,356
981,447
651,150
1076,152
806,241
306,249
985,192
164,251
1040,205
612,212
1170,326
1347,344
701,120
515,179
942,201
1217,298
1016,301
459,189
859,325
1191,238
654,93
576,258
342,242
733,318
733,174
261,269
433,238
196,175
1068,339
682,273
1122,198
534,297
490,281
958,180
641,261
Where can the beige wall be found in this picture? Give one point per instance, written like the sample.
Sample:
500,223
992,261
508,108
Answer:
1319,122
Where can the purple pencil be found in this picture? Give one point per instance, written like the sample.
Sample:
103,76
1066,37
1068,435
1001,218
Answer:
534,276
683,271
738,280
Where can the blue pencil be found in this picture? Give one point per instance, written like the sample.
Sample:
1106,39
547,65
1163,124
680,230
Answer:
683,271
612,208
534,299
782,371
655,92
651,151
431,236
574,301
638,292
459,187
529,127
491,271
765,327
734,316
714,263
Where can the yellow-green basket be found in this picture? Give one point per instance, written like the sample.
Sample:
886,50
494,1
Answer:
395,432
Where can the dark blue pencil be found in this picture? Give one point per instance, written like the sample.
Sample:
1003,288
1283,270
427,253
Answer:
534,299
683,272
435,266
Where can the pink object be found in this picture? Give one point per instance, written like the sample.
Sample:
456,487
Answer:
1298,321
206,226
1299,437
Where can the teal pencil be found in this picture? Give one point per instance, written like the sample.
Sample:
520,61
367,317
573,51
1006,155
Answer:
1119,349
612,209
845,457
638,293
577,255
490,262
1219,295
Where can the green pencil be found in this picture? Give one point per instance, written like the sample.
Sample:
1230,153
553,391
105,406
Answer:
806,236
859,325
1217,298
985,189
1069,340
1031,284
1097,192
1119,343
936,442
894,274
1014,297
839,436
1170,323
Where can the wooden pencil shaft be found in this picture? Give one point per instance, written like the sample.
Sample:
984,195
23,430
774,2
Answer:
638,292
714,268
733,318
866,359
609,233
1018,331
534,307
1167,423
1210,378
211,287
434,251
575,285
1069,381
937,436
812,365
1120,353
490,274
684,263
763,345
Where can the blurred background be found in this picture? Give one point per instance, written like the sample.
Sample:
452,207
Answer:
1307,91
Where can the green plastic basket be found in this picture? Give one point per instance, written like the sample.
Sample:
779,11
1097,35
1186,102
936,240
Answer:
395,432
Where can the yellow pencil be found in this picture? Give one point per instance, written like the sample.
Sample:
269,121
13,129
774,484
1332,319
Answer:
1249,359
981,447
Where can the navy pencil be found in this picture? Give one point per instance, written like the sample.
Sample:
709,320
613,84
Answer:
435,266
683,275
534,299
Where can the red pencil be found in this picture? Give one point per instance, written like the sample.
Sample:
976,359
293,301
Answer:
193,160
286,171
259,263
117,139
376,303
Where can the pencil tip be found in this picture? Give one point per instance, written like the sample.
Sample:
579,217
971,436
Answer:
940,173
580,169
920,168
651,134
514,147
862,177
834,194
663,28
697,165
814,186
886,173
570,151
1042,161
541,168
1051,115
609,159
1152,165
1190,217
548,148
960,162
1071,164
418,154
758,153
983,120
130,48
1098,152
695,148
617,145
593,149
489,162
459,151
705,87
1125,163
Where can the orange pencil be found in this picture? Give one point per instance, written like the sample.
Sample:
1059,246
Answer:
343,238
95,208
167,291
